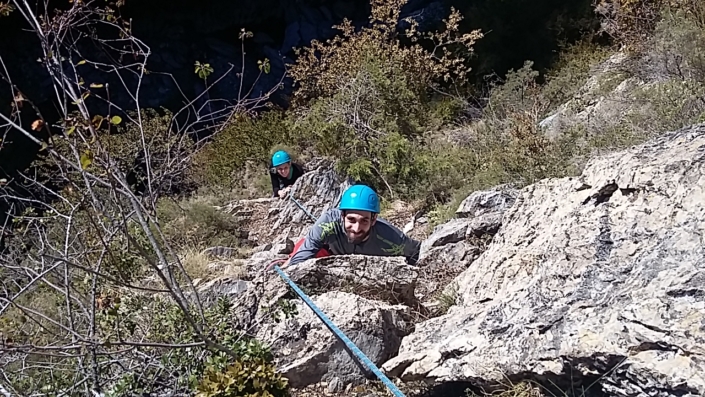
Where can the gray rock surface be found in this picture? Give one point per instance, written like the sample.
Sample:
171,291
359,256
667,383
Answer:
306,351
441,265
487,202
229,287
595,278
318,190
364,296
388,279
450,232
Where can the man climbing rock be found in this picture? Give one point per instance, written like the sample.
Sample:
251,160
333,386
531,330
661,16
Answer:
354,228
283,173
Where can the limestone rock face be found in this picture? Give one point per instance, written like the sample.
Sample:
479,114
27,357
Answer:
307,352
317,191
368,298
600,277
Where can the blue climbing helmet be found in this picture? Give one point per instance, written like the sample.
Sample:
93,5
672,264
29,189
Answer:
280,157
361,198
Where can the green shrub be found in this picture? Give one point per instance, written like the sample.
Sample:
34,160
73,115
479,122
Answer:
134,144
320,69
196,223
252,378
246,140
367,95
571,71
672,64
677,47
198,369
373,120
632,21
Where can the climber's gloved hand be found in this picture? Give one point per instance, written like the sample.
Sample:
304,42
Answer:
283,192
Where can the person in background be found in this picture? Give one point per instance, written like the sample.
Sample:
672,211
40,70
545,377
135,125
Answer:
283,173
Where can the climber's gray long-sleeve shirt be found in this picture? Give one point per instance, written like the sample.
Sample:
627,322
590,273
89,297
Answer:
329,233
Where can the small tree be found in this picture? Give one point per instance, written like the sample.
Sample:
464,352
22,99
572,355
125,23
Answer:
93,299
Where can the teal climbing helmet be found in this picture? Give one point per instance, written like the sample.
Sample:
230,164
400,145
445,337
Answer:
361,198
279,158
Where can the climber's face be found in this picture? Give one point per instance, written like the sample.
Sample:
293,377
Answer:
358,225
283,169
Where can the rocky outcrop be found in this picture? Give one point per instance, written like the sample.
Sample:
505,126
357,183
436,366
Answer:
317,191
389,279
307,352
479,215
278,223
454,245
596,278
368,298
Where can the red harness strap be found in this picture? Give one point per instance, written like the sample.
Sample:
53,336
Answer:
320,254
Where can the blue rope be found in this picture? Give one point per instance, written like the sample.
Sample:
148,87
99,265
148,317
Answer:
341,335
313,218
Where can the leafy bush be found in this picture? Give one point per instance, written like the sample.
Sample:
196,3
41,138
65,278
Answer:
368,95
196,223
632,21
322,68
677,47
670,65
246,140
373,119
252,378
195,368
165,152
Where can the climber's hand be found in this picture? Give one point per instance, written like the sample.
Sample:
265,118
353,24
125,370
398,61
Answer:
282,264
283,192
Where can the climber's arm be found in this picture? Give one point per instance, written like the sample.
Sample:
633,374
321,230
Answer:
314,240
412,248
275,183
398,242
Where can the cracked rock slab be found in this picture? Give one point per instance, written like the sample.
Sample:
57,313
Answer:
599,277
493,201
307,352
388,279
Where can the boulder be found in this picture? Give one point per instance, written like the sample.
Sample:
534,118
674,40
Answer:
210,291
591,279
441,265
487,202
387,278
450,232
317,191
307,352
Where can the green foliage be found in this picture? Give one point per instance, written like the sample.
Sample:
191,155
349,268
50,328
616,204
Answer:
632,21
678,44
196,223
373,119
203,70
246,139
147,141
199,369
367,95
6,9
670,105
671,62
250,378
571,71
320,69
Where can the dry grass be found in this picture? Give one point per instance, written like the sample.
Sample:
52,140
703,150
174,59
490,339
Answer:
199,265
